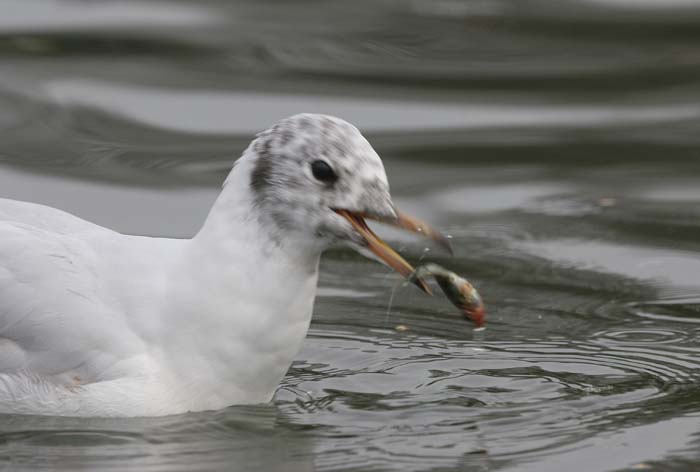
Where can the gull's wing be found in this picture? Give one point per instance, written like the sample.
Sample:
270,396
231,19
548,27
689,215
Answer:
45,217
55,319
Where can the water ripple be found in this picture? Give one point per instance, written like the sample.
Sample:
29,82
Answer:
494,395
679,310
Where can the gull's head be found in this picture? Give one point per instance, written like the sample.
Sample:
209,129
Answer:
314,180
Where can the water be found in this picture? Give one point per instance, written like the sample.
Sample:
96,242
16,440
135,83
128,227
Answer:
556,141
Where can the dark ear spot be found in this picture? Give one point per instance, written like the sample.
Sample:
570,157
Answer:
261,175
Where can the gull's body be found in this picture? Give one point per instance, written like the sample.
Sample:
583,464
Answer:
96,323
93,322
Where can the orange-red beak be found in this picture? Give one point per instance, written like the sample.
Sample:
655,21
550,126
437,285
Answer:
384,252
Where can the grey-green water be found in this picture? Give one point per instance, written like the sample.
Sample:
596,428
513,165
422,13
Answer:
556,141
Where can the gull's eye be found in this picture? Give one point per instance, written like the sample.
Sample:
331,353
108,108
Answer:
323,172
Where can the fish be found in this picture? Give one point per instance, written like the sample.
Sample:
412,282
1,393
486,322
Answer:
457,289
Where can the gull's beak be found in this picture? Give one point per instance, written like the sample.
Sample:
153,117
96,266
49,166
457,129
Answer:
383,251
417,226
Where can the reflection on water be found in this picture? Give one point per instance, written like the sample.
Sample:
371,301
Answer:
556,142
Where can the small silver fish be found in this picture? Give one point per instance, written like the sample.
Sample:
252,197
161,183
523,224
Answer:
457,289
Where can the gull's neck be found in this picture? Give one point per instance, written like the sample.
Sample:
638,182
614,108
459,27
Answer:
242,305
235,222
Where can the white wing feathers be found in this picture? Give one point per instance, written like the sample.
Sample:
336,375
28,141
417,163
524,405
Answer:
53,321
45,217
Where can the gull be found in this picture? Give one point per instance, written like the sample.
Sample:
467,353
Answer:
95,323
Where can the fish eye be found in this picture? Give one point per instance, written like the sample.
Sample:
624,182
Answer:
323,172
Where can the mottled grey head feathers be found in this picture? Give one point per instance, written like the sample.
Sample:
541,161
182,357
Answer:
295,194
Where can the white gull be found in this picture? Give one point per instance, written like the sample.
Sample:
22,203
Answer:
97,323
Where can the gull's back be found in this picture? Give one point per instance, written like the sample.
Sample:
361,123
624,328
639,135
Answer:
44,217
